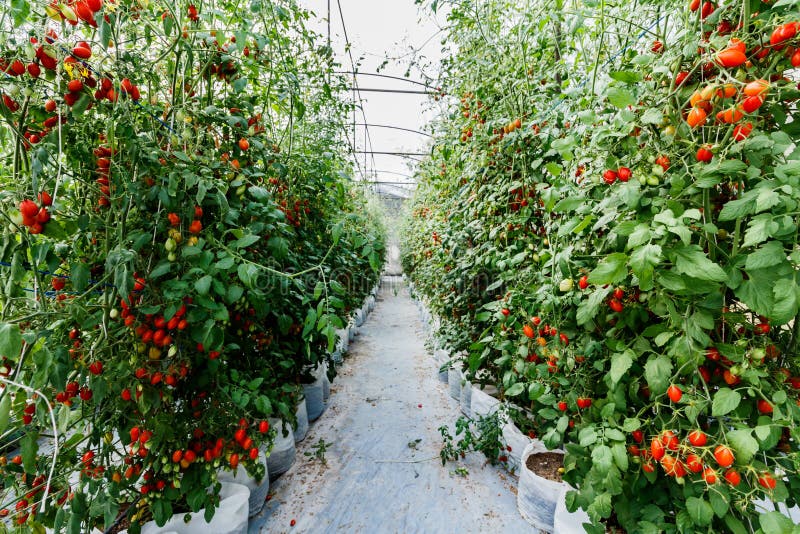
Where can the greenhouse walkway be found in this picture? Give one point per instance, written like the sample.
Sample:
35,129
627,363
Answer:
382,471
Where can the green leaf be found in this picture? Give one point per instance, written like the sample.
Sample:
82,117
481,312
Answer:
787,303
775,523
79,275
735,525
768,255
515,390
643,262
80,106
757,291
620,363
248,274
162,511
652,116
245,241
657,372
568,204
631,423
588,308
602,459
759,229
203,285
720,501
160,270
29,447
613,269
735,209
20,10
10,341
625,76
620,98
554,168
587,436
601,505
693,262
225,263
744,445
5,411
726,167
233,293
620,454
700,511
725,401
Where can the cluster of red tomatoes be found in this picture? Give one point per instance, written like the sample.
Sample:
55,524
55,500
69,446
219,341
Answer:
36,216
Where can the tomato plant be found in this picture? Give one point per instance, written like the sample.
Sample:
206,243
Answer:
648,176
181,241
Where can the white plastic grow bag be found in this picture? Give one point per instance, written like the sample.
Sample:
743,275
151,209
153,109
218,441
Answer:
454,381
343,342
326,383
229,518
302,421
259,489
314,394
283,451
481,403
518,442
537,496
466,399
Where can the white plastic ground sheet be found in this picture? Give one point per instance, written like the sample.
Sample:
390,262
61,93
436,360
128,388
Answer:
383,471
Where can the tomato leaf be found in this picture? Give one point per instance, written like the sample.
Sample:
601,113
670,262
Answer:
620,363
643,262
657,372
725,401
744,444
720,500
613,269
759,229
516,389
700,511
625,76
5,411
587,436
589,307
735,209
203,285
787,301
775,523
10,341
691,261
29,447
757,291
602,459
20,10
620,97
768,255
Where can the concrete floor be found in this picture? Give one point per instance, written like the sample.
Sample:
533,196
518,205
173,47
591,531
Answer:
382,471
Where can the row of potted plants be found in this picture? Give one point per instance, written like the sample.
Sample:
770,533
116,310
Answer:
181,242
486,427
605,232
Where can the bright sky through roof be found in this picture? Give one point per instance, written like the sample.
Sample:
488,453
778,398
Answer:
377,30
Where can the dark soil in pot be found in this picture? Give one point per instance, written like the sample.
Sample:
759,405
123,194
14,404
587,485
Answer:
546,465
